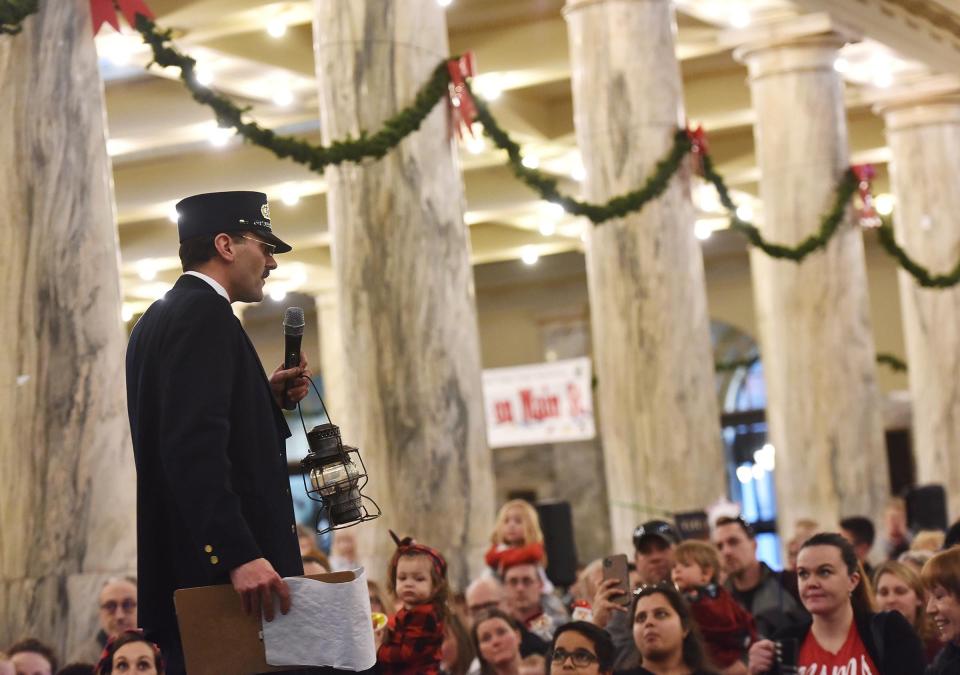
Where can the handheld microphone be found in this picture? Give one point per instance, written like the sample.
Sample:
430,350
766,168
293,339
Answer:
293,324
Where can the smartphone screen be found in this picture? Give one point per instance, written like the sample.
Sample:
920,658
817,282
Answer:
615,567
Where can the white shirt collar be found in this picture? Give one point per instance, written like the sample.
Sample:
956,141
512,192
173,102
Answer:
213,283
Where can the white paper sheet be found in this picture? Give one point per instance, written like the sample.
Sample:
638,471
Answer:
327,625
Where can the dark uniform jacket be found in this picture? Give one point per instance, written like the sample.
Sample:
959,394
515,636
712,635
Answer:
212,480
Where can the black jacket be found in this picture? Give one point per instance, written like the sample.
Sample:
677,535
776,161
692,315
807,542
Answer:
212,482
889,638
947,661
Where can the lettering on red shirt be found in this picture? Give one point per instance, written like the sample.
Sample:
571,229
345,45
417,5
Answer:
852,659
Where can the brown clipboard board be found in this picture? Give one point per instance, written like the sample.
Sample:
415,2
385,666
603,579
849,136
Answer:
218,638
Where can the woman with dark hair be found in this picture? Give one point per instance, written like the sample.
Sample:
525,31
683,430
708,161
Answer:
130,652
582,648
456,653
665,634
844,632
496,639
941,577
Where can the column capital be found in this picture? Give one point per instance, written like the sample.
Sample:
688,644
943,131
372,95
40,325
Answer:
931,100
808,42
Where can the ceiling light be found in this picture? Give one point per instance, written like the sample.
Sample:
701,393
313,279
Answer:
290,195
707,198
173,214
883,79
702,229
740,18
276,28
203,76
529,255
444,3
126,312
278,293
530,161
283,98
220,136
841,65
745,212
488,86
476,145
548,228
552,209
884,203
578,173
147,269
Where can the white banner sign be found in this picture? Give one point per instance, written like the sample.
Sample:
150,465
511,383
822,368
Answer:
542,403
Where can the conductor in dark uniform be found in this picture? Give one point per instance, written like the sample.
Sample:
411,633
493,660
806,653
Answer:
213,497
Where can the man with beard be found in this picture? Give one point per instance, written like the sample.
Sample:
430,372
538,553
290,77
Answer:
213,493
771,597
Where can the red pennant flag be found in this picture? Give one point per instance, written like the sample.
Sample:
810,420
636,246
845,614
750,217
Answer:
105,11
463,111
698,137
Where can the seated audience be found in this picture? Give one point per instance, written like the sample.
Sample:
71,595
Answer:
496,639
456,654
589,578
32,657
803,529
726,627
315,562
76,669
915,559
665,634
953,536
582,648
118,613
898,588
488,593
343,552
528,603
844,632
941,577
860,532
928,540
131,652
896,536
654,542
6,665
770,597
377,601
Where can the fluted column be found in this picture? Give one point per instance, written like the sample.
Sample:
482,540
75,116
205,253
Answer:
402,260
658,413
823,404
67,485
923,132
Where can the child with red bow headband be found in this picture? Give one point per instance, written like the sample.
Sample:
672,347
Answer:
414,635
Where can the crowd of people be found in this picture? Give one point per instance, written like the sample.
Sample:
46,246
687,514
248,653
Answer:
688,607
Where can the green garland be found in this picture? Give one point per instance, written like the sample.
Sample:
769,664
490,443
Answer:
317,157
895,363
12,14
405,122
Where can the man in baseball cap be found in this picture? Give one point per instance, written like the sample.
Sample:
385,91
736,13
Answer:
654,541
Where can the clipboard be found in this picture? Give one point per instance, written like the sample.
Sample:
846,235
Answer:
216,635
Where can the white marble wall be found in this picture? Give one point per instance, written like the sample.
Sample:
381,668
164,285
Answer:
658,414
401,253
923,136
67,486
824,409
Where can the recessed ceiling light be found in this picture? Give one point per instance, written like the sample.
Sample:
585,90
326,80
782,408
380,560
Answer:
173,214
276,28
203,76
702,230
745,212
529,255
283,97
884,203
290,195
444,3
278,293
530,161
220,136
476,145
740,18
548,228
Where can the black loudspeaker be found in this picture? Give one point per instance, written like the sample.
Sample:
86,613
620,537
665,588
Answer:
556,521
927,508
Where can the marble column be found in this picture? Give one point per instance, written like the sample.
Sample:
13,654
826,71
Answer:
67,484
923,128
405,285
823,404
658,413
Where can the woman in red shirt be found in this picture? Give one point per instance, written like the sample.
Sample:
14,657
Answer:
845,632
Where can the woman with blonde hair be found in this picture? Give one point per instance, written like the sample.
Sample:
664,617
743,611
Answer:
898,588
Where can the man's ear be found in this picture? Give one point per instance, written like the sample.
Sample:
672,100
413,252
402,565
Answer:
226,246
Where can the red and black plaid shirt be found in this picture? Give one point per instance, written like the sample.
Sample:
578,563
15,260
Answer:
412,642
